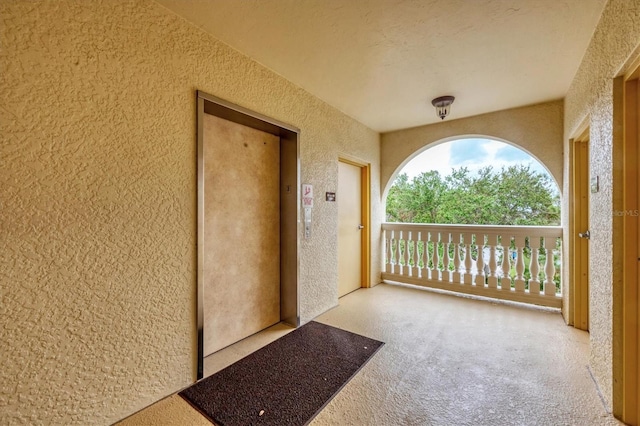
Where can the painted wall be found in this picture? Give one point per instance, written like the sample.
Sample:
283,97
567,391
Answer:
591,98
536,129
98,200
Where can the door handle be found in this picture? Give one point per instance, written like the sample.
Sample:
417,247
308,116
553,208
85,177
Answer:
360,226
586,235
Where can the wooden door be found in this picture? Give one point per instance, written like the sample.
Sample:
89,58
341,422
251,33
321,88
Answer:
580,225
350,228
241,232
631,259
635,215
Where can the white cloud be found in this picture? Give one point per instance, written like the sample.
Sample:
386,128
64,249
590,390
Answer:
436,158
439,157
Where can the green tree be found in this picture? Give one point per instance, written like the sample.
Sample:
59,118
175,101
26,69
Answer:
516,195
397,205
469,199
526,197
417,201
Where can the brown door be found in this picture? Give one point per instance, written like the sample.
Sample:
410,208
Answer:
350,228
631,259
241,232
636,215
580,226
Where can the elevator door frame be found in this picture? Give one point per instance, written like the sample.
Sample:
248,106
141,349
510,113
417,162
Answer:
289,206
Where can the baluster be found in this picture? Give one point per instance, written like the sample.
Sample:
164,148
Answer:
400,250
505,282
520,264
468,275
424,273
392,251
446,241
414,256
427,256
549,267
534,265
457,278
435,273
405,253
396,253
492,241
480,276
385,251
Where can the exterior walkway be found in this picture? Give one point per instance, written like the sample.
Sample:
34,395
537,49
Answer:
447,361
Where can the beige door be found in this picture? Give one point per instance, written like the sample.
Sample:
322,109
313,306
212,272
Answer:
580,225
241,232
350,230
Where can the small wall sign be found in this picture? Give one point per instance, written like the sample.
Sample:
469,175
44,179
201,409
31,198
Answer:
330,196
307,195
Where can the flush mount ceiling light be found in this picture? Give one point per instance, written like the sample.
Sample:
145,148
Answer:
443,105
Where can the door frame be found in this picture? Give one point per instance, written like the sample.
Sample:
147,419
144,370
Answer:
289,207
365,220
579,222
628,410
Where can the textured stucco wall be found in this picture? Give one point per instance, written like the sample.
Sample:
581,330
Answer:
98,200
591,98
536,129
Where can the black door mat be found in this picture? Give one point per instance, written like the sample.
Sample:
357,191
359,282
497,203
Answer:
286,382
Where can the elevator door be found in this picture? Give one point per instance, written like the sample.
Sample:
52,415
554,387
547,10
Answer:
241,232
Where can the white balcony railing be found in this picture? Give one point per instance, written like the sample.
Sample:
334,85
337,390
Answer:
518,263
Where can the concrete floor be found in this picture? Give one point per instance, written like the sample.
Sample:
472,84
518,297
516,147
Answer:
447,361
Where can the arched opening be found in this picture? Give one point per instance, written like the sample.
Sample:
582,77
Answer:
475,215
477,180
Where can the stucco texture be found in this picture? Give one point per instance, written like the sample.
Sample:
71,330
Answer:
591,100
536,129
98,199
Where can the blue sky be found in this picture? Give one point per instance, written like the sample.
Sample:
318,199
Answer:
471,153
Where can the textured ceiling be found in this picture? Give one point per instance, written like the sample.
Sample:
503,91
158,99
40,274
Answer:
382,61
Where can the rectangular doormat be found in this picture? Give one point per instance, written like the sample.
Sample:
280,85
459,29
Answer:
286,382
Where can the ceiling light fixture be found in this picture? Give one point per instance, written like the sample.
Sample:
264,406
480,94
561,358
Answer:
443,105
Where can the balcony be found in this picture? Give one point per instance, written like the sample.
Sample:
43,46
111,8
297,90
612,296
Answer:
517,263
